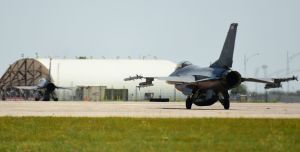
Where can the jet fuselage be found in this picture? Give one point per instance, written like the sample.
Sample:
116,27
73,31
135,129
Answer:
216,79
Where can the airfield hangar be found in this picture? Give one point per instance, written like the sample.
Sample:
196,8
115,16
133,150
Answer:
91,79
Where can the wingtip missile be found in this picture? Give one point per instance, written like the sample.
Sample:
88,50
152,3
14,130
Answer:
295,78
133,78
277,82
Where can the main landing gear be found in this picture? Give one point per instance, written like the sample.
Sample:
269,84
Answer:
188,103
222,97
49,95
225,100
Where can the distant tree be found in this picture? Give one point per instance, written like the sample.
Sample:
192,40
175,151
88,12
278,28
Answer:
241,89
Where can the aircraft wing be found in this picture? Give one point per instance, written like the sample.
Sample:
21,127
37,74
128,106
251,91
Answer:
149,80
172,79
271,82
259,80
36,87
186,79
26,87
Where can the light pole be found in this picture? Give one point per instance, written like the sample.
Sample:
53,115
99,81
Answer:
246,59
265,68
288,59
36,55
256,75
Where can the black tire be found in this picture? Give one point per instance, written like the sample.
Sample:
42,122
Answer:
46,97
55,99
188,103
226,104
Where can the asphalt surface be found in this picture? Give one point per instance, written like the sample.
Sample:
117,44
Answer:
147,109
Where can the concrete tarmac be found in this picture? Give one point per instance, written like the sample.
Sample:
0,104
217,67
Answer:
147,109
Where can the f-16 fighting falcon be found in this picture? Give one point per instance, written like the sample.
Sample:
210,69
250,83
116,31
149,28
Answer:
45,89
206,86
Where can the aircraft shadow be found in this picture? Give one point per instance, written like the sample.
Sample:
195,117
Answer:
193,109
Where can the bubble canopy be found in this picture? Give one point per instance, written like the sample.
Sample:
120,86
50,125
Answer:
183,64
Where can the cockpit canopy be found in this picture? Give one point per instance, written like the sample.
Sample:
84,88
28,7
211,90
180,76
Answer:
183,64
42,82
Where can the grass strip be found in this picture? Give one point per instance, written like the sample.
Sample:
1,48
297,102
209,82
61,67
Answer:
148,134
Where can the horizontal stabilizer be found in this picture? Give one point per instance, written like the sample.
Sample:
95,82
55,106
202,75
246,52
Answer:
67,88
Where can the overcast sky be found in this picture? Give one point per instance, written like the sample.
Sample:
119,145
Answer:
175,30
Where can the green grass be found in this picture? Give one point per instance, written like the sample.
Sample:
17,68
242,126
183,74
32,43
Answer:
141,134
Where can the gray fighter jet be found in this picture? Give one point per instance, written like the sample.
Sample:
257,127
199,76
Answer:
205,86
45,89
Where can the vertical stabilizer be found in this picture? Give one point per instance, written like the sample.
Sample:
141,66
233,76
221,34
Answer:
226,58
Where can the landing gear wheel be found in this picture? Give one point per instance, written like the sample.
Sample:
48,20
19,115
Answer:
224,99
46,97
188,103
226,104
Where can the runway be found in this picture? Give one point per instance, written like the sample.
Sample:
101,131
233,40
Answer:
147,109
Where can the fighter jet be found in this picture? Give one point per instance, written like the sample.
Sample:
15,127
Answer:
206,86
45,89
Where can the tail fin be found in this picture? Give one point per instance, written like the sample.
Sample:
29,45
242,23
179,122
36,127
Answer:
225,59
49,72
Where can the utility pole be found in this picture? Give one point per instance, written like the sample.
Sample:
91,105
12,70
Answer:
288,59
288,69
246,59
256,75
136,92
36,55
265,67
174,94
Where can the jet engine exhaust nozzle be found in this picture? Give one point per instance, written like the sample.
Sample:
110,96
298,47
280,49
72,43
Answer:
233,79
51,87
